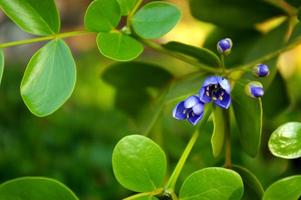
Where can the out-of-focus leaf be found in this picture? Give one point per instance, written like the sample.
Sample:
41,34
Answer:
118,46
137,84
127,6
287,188
248,114
252,187
33,16
155,19
295,3
1,64
285,141
204,55
139,164
212,183
218,135
49,78
35,188
233,14
102,15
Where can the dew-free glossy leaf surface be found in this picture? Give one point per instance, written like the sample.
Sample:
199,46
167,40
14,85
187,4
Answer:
139,164
248,114
287,188
218,135
203,55
212,183
127,6
118,46
102,15
155,19
252,187
49,78
33,16
35,188
1,64
285,141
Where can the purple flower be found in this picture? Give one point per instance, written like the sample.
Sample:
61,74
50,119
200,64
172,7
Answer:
191,109
224,46
216,89
261,70
255,89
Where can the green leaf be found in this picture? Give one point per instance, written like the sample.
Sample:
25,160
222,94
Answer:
127,6
218,135
155,19
139,164
252,186
136,85
102,15
233,14
35,188
212,183
33,16
248,114
285,141
204,55
146,198
287,188
49,78
118,46
1,64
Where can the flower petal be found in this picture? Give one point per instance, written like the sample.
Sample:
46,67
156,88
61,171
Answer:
194,119
225,103
179,111
224,83
203,97
198,108
211,80
191,101
257,91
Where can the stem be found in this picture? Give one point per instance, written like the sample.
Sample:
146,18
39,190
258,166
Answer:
144,194
170,186
228,162
130,15
181,57
44,38
286,7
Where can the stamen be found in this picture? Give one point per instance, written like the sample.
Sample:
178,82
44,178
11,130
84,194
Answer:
207,93
207,88
215,86
214,98
220,98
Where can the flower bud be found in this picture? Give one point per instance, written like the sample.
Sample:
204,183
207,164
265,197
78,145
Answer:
254,89
261,70
224,46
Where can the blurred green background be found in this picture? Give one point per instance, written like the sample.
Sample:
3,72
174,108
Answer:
74,145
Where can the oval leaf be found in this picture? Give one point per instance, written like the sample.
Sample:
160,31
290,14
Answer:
246,110
36,17
218,135
35,188
287,188
139,164
1,64
252,187
102,15
155,19
118,46
285,141
212,183
204,55
127,6
49,78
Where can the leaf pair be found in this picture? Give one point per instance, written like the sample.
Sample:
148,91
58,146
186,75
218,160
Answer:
151,21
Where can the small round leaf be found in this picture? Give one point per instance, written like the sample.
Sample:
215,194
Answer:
102,15
118,46
139,164
35,188
212,183
288,188
285,141
49,78
155,19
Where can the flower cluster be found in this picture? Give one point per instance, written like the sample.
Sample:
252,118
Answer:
215,89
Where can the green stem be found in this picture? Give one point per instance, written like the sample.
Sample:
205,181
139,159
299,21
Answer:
181,57
131,14
44,38
145,194
170,186
228,161
286,7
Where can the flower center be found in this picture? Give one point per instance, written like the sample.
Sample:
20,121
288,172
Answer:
215,92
